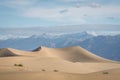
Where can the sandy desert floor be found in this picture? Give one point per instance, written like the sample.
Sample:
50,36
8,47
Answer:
72,63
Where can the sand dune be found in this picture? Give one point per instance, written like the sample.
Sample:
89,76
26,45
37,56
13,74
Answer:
6,52
74,62
73,54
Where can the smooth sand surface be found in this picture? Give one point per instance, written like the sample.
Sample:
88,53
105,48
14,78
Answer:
72,63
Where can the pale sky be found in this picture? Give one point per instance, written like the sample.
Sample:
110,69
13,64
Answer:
30,13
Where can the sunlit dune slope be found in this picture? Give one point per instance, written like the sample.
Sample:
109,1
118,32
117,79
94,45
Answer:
69,60
73,54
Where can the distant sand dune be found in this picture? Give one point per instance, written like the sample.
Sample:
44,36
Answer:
5,52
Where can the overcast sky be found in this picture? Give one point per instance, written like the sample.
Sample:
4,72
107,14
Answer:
30,13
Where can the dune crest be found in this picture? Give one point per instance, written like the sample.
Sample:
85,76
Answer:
72,54
37,49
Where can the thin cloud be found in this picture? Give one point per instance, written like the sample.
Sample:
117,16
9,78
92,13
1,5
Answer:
71,13
72,0
85,12
64,11
19,3
54,15
111,18
78,5
95,5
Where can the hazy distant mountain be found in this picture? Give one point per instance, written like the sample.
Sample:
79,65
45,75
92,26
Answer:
105,46
99,29
44,40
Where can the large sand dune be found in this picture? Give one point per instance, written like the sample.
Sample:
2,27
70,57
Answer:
73,54
56,64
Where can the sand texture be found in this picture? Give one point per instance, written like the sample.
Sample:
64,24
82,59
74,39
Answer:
72,63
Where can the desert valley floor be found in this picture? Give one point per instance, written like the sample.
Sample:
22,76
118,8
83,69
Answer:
72,63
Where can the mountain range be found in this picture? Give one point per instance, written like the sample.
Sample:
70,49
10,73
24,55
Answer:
103,45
